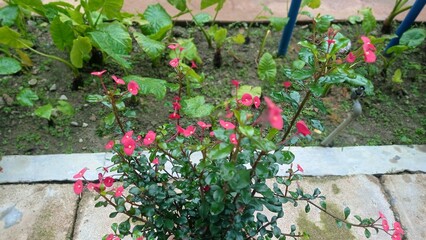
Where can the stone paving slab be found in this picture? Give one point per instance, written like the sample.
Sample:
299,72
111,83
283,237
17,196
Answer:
408,193
317,161
38,211
361,193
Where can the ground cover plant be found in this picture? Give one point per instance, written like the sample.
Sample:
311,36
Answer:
168,98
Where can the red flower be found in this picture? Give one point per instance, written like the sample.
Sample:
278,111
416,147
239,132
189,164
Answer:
117,80
109,145
350,58
203,125
302,128
93,186
81,173
233,139
129,146
369,50
78,187
381,215
256,101
155,161
206,188
247,99
236,83
174,62
186,132
173,46
385,225
133,87
397,228
174,116
193,65
119,191
108,181
211,134
396,236
98,74
287,84
139,238
127,135
330,41
112,237
226,125
369,56
149,138
299,168
274,114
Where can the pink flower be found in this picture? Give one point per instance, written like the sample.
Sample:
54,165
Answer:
93,186
397,228
80,174
189,131
226,125
139,238
112,237
247,99
173,46
381,215
299,168
127,135
233,139
176,106
203,125
109,145
287,84
133,87
174,62
236,83
119,191
174,116
330,41
155,161
193,65
129,146
149,138
350,58
396,236
369,56
385,225
117,80
274,114
367,45
108,181
78,187
302,128
98,74
256,101
211,134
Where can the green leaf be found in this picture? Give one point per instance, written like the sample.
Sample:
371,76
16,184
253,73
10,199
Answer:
267,68
347,211
307,208
221,150
12,38
8,15
94,98
201,18
218,195
397,76
114,39
314,4
9,66
26,97
196,107
65,107
253,91
151,47
241,179
111,8
62,33
323,205
239,38
217,207
159,22
286,158
179,4
278,23
208,3
44,111
397,49
367,233
190,51
354,19
156,87
220,37
80,51
369,21
413,37
261,218
246,130
323,23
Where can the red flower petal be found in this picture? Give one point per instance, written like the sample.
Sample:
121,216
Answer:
108,181
226,125
98,74
247,99
80,174
302,128
133,87
149,138
78,187
109,145
119,191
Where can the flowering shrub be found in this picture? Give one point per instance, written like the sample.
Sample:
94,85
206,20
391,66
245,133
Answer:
210,179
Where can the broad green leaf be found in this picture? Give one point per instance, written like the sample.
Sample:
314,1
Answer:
278,23
190,51
9,66
12,38
114,39
8,15
267,68
201,18
191,74
314,4
220,37
240,180
35,5
208,3
151,47
323,23
397,76
413,37
298,64
253,91
94,98
159,22
44,111
26,97
65,108
221,150
179,4
397,49
156,87
196,107
369,21
111,8
80,51
239,39
62,33
354,19
246,130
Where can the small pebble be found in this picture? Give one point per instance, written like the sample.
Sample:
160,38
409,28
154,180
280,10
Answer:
32,82
80,140
92,118
74,124
52,88
63,97
84,125
85,105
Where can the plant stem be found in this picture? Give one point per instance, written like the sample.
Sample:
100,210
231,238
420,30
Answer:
115,111
262,45
299,110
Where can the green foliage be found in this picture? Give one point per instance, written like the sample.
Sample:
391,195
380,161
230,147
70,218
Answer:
12,39
369,21
8,15
267,69
62,33
159,21
9,66
179,4
278,23
196,107
154,49
413,38
111,8
26,97
156,87
80,51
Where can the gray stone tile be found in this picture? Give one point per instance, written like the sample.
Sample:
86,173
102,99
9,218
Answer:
39,211
408,197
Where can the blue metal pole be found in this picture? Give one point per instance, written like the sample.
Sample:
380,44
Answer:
288,30
406,23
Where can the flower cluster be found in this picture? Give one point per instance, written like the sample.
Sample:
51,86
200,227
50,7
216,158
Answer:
367,50
398,232
104,183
